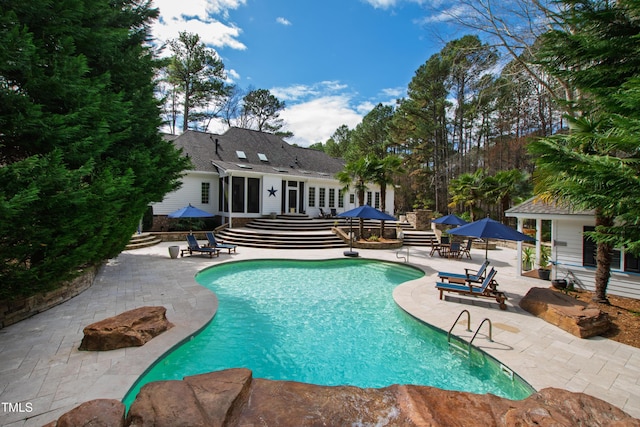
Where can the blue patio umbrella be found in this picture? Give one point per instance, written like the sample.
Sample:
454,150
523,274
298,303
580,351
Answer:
450,219
363,212
190,212
367,212
488,228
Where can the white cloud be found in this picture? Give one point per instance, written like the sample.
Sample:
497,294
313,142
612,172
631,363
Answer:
387,4
283,21
381,4
299,92
316,120
197,16
394,92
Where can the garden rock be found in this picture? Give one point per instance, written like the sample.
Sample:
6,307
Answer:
132,328
566,312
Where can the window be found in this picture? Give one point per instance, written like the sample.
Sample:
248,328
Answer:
631,263
237,194
377,200
253,195
369,198
321,197
332,197
340,199
263,157
312,197
590,249
241,154
223,194
205,193
352,199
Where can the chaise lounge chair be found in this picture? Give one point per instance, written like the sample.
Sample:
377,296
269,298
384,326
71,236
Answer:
193,246
488,289
468,276
213,243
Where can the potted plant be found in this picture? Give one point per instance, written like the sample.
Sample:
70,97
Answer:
544,271
528,254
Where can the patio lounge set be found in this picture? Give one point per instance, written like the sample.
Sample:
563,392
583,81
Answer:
472,283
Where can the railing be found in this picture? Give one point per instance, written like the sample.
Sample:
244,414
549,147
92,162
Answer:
406,259
486,319
456,322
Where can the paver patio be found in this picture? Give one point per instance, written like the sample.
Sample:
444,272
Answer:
40,362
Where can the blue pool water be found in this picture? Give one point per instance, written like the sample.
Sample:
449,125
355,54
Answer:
328,322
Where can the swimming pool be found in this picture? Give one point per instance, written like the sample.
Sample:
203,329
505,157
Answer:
329,322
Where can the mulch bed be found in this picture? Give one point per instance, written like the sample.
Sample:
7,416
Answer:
624,314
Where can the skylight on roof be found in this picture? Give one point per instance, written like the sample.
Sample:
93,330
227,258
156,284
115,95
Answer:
241,154
263,157
243,166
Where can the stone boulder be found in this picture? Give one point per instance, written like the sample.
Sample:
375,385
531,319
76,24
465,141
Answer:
233,398
94,413
132,328
574,316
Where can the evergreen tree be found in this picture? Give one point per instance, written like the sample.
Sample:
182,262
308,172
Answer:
594,166
80,150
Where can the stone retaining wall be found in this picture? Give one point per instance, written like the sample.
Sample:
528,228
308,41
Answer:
420,219
13,311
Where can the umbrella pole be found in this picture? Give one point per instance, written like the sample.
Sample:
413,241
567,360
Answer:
486,249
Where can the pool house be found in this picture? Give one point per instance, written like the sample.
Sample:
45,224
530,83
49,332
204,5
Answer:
571,252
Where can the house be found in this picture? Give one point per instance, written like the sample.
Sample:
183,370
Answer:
571,251
245,174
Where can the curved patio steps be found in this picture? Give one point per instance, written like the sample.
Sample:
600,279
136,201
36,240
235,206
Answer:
142,240
296,231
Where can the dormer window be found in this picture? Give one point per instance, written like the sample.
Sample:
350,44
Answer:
262,157
241,154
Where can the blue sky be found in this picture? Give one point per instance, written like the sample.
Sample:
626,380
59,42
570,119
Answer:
331,61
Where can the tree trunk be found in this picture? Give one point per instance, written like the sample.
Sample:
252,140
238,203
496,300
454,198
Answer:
603,262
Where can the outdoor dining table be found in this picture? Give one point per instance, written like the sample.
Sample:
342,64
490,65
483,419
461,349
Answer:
441,248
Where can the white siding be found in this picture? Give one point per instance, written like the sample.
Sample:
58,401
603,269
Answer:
569,257
270,203
190,192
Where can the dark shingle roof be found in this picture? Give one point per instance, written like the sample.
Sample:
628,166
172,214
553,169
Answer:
281,157
536,206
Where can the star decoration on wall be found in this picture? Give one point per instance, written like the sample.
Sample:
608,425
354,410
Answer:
272,191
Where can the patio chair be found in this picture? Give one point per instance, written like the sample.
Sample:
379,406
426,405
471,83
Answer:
323,214
488,289
470,275
466,250
213,243
451,251
334,212
193,246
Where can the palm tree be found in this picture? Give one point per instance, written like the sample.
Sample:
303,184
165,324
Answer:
357,173
384,171
506,187
468,190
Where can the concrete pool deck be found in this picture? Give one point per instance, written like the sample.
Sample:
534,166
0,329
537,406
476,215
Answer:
40,364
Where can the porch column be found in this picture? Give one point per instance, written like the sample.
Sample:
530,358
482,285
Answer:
538,240
229,199
520,227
